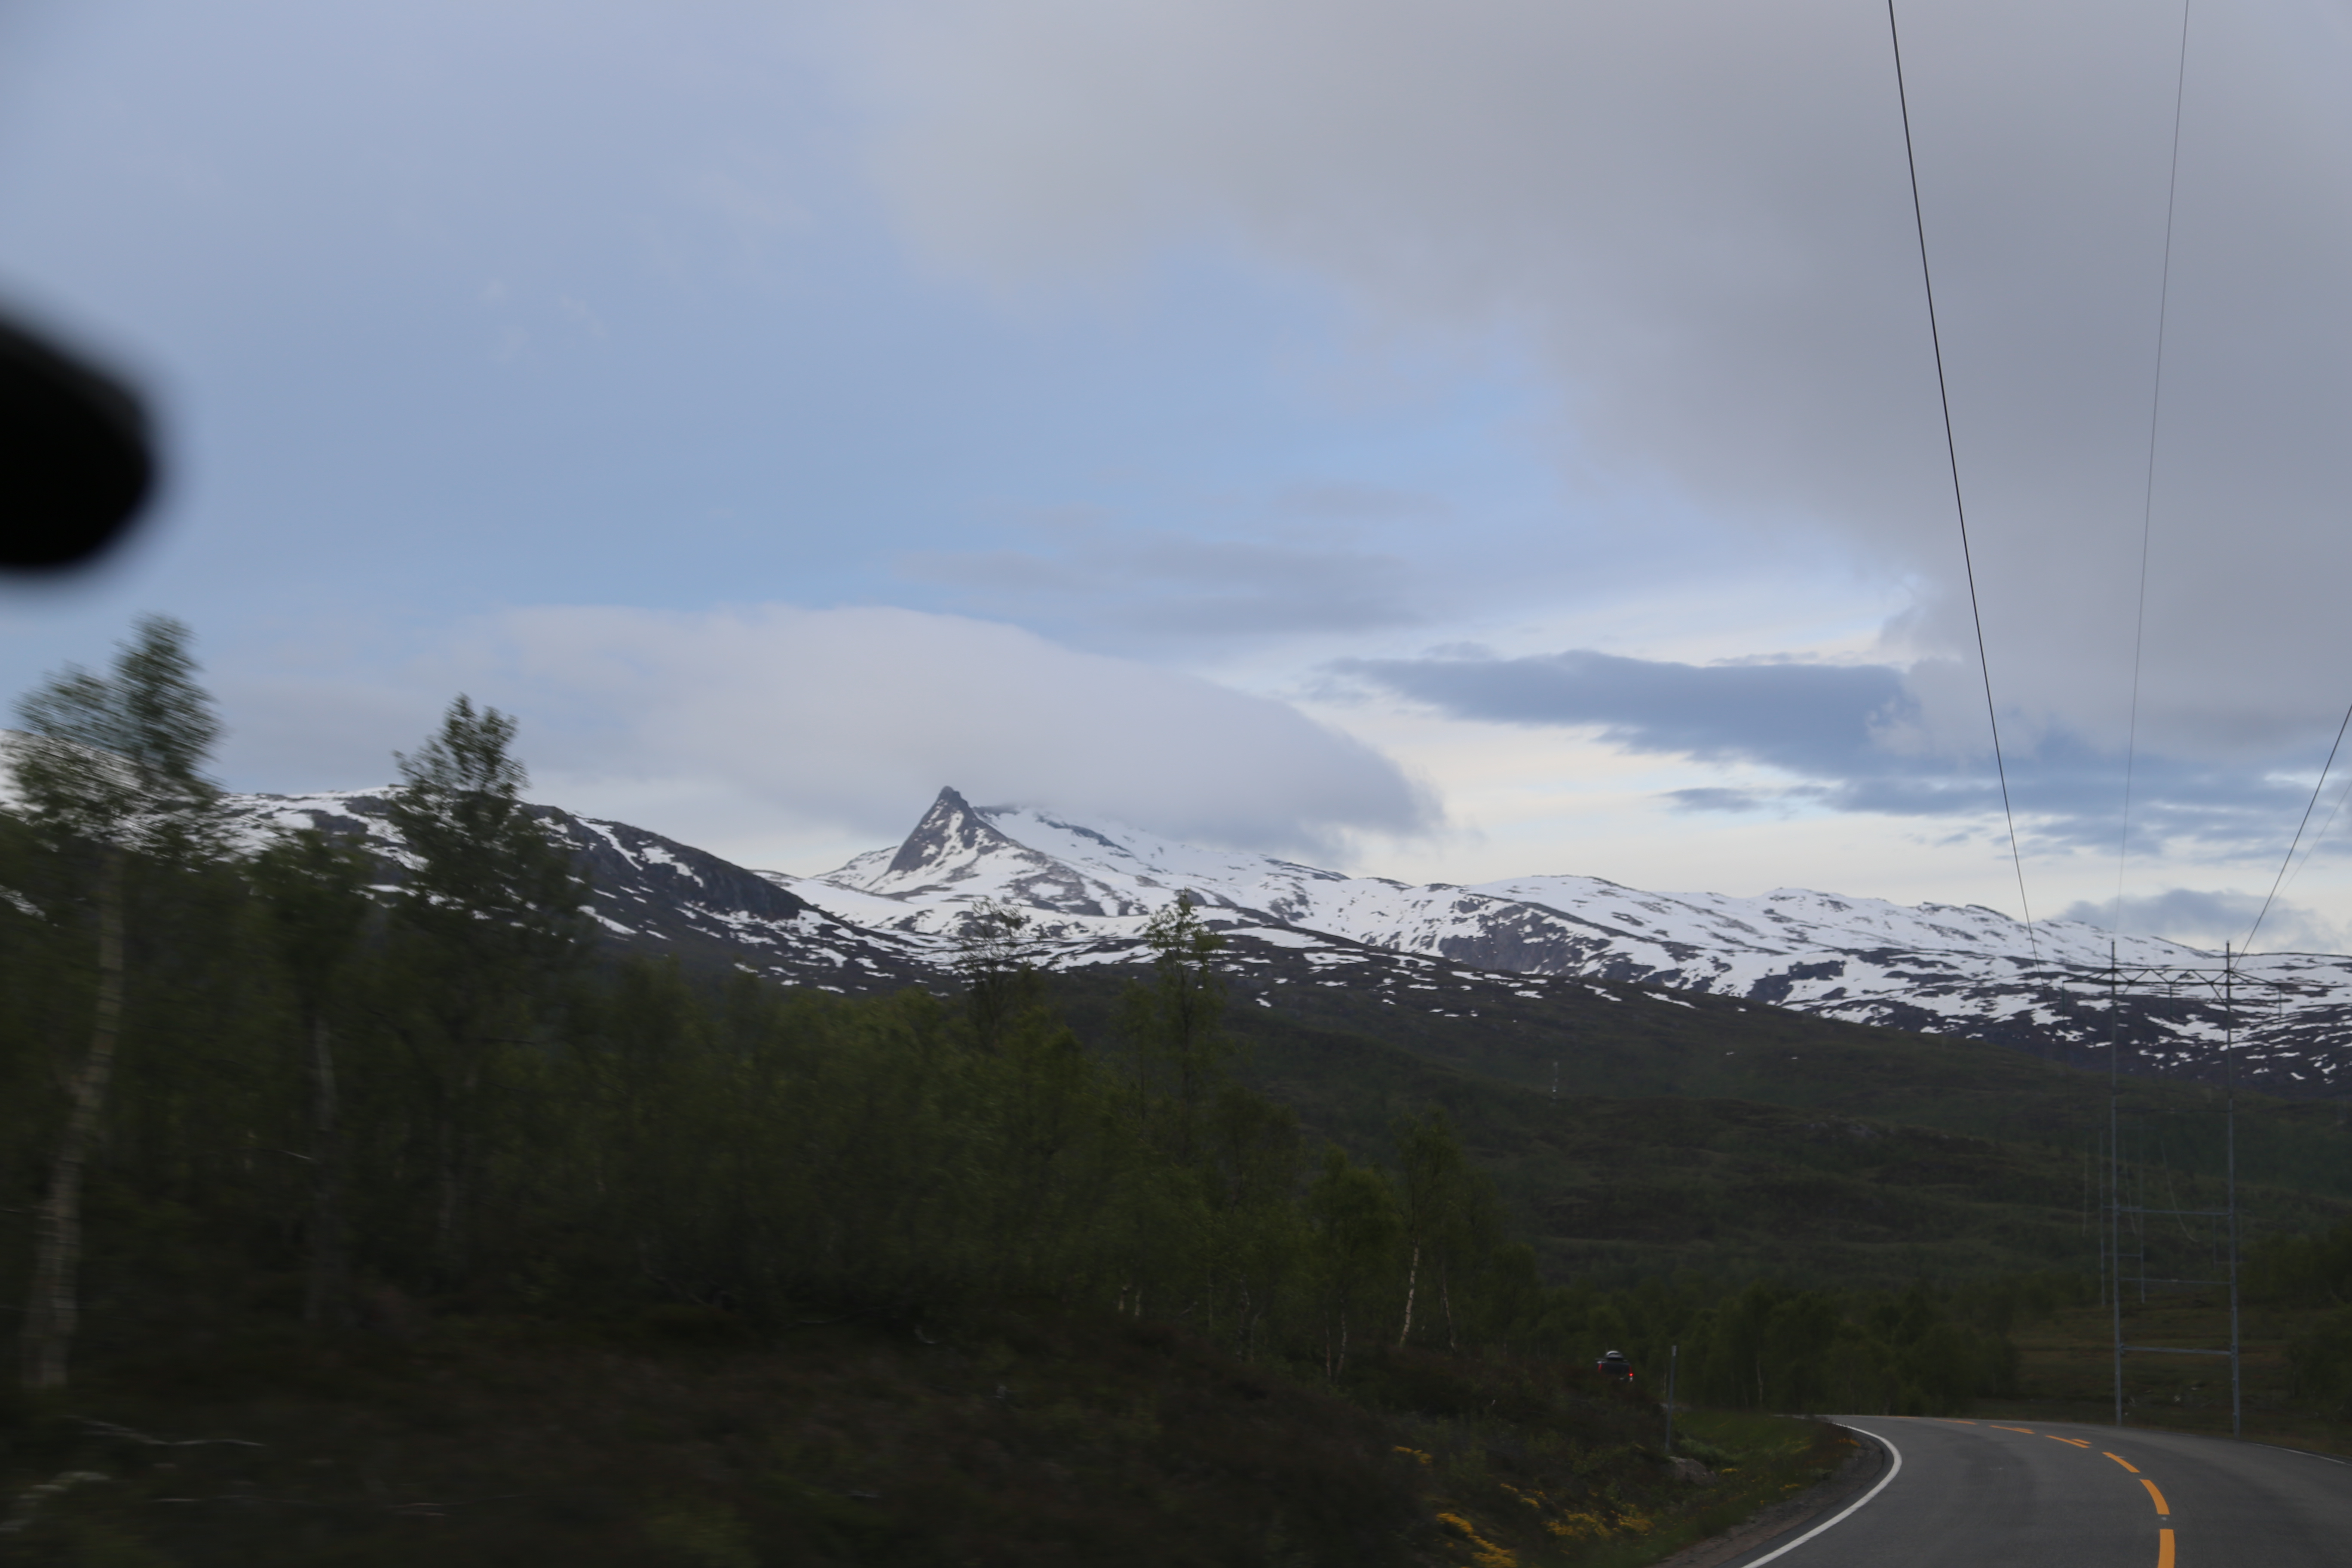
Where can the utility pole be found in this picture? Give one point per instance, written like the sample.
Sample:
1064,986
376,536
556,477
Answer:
2222,983
2114,1168
2230,1121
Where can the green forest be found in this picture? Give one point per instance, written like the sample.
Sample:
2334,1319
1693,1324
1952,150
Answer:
294,1090
419,1082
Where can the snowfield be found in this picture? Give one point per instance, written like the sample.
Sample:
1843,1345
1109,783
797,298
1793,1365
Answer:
1937,968
894,916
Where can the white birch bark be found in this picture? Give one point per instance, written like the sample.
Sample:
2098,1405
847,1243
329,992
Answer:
53,1309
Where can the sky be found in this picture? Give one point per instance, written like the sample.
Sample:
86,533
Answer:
1438,441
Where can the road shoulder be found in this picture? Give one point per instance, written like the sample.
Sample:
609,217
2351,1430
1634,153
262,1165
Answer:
1761,1532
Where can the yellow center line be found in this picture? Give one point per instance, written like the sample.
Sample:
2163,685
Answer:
2163,1548
1999,1427
2162,1507
2078,1442
2119,1459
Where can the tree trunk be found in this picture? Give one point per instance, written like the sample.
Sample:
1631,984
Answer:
328,1299
53,1309
1412,1280
1446,1297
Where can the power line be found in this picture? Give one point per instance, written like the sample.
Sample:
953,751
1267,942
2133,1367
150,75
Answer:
2148,507
2147,494
2299,826
1959,505
2319,837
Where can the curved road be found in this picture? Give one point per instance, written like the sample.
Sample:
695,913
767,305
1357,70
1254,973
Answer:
1984,1494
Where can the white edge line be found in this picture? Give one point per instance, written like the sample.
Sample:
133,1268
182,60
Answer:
2248,1442
2306,1453
2280,1448
1849,1511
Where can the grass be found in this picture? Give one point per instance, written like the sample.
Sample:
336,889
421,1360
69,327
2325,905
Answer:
660,1442
2066,1371
1735,1141
1575,1515
671,1439
1767,1460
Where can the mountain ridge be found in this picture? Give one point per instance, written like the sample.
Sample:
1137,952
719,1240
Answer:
893,917
649,893
1961,970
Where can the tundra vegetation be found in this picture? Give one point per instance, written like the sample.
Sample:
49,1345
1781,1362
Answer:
358,1207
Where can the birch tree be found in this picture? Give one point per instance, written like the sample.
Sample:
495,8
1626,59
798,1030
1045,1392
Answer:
1429,1182
315,889
1450,1216
1353,1226
110,775
997,953
1176,1021
489,920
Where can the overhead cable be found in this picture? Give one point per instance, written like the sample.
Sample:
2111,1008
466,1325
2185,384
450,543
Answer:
2299,826
2147,493
1959,505
2319,839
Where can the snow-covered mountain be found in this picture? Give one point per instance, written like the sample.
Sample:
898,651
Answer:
652,894
892,917
1934,968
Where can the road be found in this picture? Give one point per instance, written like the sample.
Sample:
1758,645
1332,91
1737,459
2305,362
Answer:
1984,1494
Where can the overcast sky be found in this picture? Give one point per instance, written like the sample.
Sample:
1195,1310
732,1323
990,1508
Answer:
1443,440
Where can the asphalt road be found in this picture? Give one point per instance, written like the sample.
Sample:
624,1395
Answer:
1987,1494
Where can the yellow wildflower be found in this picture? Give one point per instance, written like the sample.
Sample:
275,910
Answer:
1482,1552
1577,1526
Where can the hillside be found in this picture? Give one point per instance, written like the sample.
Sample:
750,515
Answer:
734,1272
893,917
1739,1140
1634,1127
1967,971
673,1440
652,896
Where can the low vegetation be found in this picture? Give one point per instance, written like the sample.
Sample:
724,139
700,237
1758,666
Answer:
363,1208
668,1437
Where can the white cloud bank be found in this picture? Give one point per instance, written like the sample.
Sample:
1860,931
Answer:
779,736
2207,918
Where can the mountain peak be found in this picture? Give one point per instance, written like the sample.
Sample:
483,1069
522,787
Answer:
951,832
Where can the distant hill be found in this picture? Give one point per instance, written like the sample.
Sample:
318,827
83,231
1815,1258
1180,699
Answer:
1942,969
892,917
1738,1121
652,895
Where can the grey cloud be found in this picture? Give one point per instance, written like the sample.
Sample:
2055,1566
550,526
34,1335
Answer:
1131,583
2208,919
1696,217
1846,737
1719,800
1811,718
